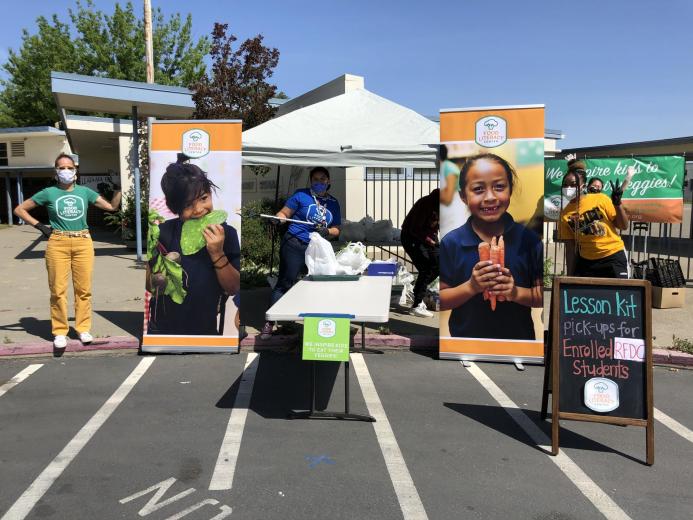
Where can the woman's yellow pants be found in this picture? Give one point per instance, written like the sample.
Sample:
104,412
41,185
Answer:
65,255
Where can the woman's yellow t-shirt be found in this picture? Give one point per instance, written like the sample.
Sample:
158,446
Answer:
597,236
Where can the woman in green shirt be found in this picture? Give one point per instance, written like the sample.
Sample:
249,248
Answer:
69,249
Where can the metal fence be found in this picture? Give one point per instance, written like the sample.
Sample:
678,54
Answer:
390,194
642,241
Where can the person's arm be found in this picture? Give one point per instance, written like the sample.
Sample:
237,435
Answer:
22,211
285,212
621,221
527,296
483,277
449,191
113,205
227,275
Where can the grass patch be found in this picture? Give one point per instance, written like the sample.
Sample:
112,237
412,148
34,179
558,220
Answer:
682,345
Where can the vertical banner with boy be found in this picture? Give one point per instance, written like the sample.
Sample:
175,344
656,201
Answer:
193,249
491,259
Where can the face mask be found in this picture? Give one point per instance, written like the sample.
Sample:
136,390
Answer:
65,176
570,192
319,187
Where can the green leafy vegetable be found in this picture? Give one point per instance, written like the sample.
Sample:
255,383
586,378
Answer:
191,238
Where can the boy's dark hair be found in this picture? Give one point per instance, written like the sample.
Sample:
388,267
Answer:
469,162
319,169
183,183
64,156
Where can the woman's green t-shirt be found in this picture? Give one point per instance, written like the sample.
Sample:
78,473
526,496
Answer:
67,210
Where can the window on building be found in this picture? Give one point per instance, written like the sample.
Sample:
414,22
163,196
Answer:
3,154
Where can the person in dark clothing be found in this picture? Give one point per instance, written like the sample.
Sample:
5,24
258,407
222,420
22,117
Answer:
420,240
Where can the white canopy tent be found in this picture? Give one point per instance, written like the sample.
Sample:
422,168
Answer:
357,128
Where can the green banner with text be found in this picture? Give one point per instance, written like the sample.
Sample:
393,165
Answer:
655,193
325,339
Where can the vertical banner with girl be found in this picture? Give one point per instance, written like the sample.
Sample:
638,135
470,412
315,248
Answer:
491,257
193,249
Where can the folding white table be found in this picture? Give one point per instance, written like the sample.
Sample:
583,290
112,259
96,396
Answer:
363,300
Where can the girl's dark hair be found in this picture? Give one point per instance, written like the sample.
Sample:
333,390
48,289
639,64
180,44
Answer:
442,152
183,183
64,156
319,169
593,180
469,162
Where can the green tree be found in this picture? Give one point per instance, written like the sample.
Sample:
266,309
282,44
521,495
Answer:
237,87
96,44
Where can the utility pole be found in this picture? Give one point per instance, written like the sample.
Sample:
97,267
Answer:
148,47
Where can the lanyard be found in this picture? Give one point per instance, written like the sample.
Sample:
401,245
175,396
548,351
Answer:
322,210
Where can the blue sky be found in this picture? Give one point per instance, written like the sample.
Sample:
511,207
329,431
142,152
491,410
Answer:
608,71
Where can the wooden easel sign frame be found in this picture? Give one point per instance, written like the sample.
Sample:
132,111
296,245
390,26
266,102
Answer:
599,360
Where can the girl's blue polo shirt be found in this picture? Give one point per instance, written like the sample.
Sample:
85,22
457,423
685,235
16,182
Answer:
326,212
459,253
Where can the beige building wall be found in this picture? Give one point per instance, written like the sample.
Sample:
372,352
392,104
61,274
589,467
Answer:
38,150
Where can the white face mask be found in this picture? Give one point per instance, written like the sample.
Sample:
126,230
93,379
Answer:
570,192
65,176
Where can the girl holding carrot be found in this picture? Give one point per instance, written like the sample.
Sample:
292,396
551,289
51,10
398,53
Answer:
491,267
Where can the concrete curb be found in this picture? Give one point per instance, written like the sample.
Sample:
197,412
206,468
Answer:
46,347
671,357
253,342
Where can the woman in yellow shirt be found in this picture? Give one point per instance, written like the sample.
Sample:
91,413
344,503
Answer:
588,225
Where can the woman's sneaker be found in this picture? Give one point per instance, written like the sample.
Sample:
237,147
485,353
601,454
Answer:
266,332
60,342
85,338
422,311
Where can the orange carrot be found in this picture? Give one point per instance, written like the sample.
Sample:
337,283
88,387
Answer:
485,255
495,251
501,260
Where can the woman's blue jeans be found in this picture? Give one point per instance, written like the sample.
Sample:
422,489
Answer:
292,258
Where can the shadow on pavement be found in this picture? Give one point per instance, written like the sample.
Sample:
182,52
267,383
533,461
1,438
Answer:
282,384
32,326
495,417
131,322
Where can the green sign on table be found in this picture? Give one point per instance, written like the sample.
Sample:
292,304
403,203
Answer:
325,339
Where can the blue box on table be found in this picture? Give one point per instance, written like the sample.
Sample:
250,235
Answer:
382,269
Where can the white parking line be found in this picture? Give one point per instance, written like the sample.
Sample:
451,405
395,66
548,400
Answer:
222,478
586,485
407,495
24,504
674,425
21,376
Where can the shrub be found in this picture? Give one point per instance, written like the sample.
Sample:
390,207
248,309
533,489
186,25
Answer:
256,242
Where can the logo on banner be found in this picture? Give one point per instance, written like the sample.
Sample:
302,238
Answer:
491,131
69,207
601,394
195,143
327,328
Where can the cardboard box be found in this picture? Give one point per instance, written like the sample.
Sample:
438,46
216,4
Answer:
668,297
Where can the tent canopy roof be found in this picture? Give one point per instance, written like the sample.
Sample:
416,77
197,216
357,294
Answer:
358,128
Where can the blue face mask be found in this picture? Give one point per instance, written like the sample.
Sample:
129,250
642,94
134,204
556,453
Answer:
319,187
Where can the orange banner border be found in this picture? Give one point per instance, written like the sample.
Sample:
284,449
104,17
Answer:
224,136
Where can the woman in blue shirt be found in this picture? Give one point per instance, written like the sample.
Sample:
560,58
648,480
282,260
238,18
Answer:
312,204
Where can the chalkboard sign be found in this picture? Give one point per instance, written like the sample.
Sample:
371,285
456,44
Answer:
600,356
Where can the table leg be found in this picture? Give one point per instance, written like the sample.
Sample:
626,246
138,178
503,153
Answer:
320,414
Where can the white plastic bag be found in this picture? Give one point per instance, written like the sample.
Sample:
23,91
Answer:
352,259
320,258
